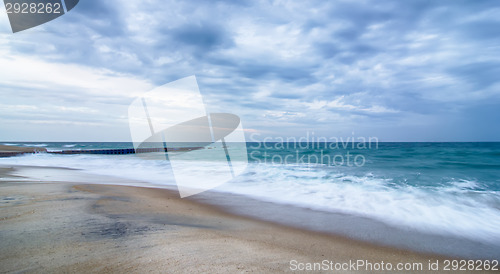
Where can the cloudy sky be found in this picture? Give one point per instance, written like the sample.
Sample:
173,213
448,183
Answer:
396,70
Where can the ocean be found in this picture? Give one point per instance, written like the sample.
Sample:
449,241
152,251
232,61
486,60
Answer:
438,188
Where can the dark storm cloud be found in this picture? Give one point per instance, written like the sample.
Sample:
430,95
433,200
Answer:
480,74
359,15
285,72
201,36
198,40
102,17
484,29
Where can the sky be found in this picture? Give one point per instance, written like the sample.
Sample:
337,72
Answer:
394,70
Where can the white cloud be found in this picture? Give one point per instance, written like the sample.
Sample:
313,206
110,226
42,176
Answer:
30,73
340,104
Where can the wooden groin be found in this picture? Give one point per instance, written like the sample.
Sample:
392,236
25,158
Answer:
7,151
123,151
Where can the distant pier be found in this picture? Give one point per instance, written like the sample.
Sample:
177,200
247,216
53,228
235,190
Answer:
7,151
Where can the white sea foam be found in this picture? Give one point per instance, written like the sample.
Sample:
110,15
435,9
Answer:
456,208
35,145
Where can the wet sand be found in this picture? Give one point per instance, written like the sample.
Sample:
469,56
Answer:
8,151
77,226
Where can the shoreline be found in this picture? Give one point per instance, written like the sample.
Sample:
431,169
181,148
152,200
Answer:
366,230
112,228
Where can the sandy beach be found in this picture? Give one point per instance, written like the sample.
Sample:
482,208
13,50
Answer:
77,226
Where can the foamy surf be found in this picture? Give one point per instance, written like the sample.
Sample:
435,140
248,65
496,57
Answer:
456,207
452,208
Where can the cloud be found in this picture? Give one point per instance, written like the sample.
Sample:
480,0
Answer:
202,36
479,74
283,66
339,104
